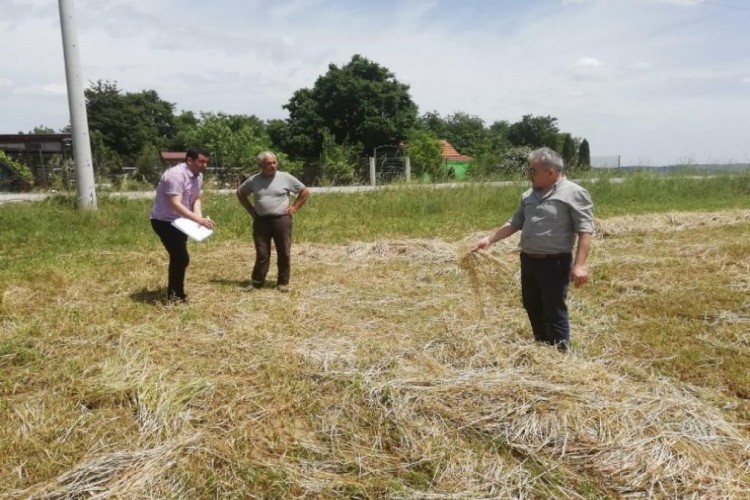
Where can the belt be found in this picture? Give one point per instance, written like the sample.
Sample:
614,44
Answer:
546,255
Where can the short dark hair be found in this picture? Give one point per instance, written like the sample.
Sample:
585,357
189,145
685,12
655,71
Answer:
194,153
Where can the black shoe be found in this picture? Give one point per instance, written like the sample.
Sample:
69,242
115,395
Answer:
176,298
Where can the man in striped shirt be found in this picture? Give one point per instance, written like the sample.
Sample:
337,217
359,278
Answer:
179,195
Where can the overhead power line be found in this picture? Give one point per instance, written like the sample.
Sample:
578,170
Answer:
722,4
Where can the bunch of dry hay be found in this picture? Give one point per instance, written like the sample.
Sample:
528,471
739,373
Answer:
648,438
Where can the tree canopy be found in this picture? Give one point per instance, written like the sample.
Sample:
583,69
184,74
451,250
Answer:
360,103
129,121
347,113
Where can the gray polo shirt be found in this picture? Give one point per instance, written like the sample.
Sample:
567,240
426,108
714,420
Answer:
550,223
271,193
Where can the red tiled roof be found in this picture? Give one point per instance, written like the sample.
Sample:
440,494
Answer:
450,153
173,155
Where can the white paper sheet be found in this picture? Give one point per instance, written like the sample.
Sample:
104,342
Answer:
192,229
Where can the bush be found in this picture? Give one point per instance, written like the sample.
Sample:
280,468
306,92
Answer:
25,177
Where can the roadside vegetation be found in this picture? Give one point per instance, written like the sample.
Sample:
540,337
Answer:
399,366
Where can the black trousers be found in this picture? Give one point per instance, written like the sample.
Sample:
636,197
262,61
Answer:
544,287
175,241
278,229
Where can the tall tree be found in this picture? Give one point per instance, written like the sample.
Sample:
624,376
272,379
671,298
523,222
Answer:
185,124
465,132
278,131
128,122
498,137
584,155
232,140
359,103
534,131
42,129
434,123
568,151
425,154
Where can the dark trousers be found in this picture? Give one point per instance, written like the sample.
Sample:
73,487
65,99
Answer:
278,229
544,287
175,241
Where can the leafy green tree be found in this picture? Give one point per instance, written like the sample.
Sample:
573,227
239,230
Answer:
584,156
338,161
278,132
129,121
42,129
232,140
497,136
465,132
107,163
185,124
359,103
495,145
534,131
23,173
435,123
148,165
425,154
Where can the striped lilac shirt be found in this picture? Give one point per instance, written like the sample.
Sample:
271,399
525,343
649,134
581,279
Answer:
178,180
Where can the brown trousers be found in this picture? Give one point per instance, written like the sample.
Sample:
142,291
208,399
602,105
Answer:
278,229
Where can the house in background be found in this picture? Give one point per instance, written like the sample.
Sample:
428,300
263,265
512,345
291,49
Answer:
36,151
455,163
172,158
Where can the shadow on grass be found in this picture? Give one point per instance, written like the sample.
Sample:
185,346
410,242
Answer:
153,297
232,283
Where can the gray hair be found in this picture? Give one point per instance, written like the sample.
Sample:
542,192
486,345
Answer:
262,157
547,156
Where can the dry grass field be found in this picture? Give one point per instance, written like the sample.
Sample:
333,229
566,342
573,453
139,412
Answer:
398,368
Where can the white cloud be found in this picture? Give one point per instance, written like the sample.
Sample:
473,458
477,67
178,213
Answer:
588,62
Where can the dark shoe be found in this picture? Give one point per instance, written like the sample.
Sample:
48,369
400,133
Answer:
563,346
258,284
176,298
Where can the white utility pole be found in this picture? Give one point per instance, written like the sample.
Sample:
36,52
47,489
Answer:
76,100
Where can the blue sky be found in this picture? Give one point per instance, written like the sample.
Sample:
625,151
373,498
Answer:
655,81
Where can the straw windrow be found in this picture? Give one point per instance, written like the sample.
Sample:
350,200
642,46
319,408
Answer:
393,369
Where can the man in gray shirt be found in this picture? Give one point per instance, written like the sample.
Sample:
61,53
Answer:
272,216
552,215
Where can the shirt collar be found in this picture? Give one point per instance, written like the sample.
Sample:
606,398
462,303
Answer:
189,172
